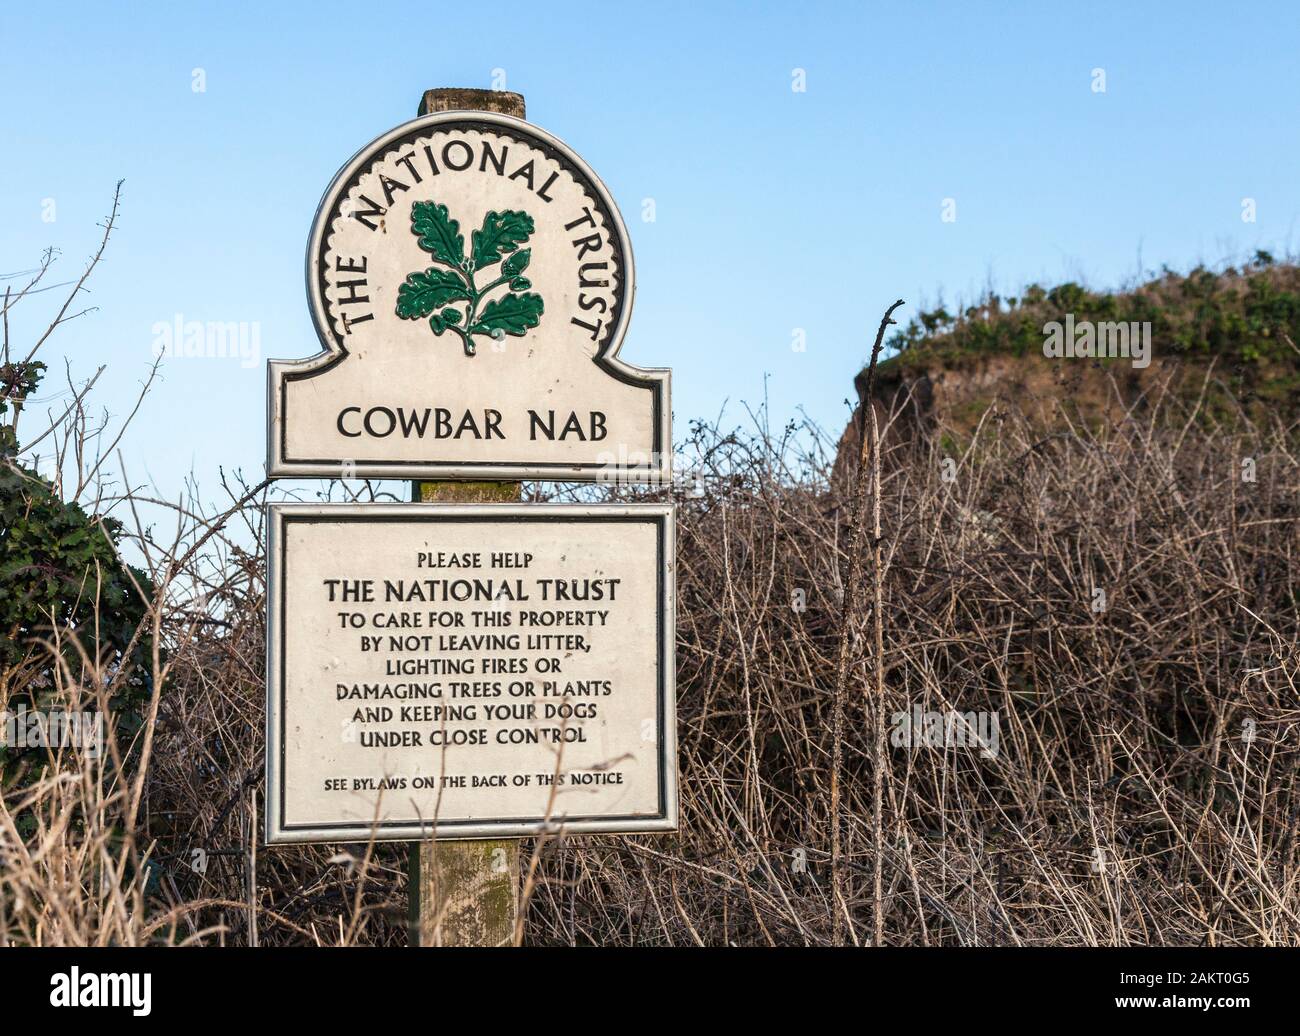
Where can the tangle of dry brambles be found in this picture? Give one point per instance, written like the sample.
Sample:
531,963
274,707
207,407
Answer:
1118,599
1121,600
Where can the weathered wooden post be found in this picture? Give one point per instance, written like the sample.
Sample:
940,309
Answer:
465,893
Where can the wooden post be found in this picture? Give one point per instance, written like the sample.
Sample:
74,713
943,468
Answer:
465,893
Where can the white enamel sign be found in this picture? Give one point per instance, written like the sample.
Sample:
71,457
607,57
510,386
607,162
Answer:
469,671
471,281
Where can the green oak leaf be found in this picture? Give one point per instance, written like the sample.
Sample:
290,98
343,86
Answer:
511,314
439,234
421,293
427,294
501,233
516,263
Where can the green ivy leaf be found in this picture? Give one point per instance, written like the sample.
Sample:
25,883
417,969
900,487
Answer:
421,293
60,565
517,263
511,314
439,234
501,233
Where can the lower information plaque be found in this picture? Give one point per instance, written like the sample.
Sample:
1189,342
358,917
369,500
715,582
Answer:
469,671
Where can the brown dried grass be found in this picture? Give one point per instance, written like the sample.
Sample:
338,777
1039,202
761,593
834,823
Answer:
1126,803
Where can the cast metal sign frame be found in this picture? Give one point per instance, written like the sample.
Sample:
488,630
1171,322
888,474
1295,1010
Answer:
278,514
657,467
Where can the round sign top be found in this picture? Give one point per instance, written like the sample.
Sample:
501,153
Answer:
470,279
469,231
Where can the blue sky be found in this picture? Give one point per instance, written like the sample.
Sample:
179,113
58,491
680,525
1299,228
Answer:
775,210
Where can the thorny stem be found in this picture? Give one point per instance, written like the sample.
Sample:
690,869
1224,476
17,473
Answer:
868,472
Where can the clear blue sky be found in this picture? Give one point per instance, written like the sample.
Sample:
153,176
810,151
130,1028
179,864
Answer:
775,209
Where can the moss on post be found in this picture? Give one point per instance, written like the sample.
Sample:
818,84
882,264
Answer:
464,893
466,492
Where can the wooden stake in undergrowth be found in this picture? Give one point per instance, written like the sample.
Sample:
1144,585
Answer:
868,479
466,893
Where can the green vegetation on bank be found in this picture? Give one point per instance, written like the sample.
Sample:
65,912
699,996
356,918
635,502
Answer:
69,607
1245,319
